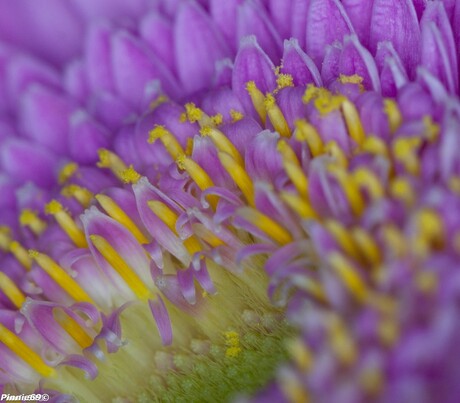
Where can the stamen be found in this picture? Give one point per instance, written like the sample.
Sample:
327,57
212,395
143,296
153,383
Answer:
130,175
324,101
81,194
349,276
342,343
60,276
432,129
343,237
353,79
405,151
67,172
395,240
400,188
239,176
23,351
350,189
11,290
21,254
108,159
367,179
232,341
236,115
394,114
334,150
5,238
299,205
375,145
301,354
367,246
73,328
284,81
222,143
29,218
258,99
120,266
194,114
117,213
266,224
167,138
307,132
430,231
67,223
353,121
276,116
293,169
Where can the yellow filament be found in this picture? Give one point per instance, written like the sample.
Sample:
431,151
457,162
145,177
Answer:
222,143
239,176
287,152
276,116
375,145
21,254
81,194
266,224
307,132
301,354
258,99
299,205
29,218
366,245
367,179
73,328
5,238
198,174
343,237
23,351
293,169
394,239
334,150
394,115
349,276
67,223
108,159
67,172
11,290
405,150
121,267
169,141
193,113
401,188
341,342
353,121
60,276
350,189
117,213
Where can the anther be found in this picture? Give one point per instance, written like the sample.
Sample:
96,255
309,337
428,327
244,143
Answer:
405,151
67,171
79,193
394,115
334,150
366,245
236,115
108,159
368,180
167,138
258,99
130,175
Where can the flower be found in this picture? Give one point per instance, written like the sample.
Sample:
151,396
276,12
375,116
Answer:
197,191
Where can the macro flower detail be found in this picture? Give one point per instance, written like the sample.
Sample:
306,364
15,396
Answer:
251,200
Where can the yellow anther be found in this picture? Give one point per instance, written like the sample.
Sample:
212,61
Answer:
293,169
368,180
21,254
284,80
301,354
11,290
239,176
236,115
307,132
395,240
429,230
108,159
217,119
158,101
353,121
194,114
366,245
60,276
405,150
336,152
266,224
375,145
342,343
130,175
81,194
74,329
350,189
258,100
29,218
353,79
222,143
121,267
232,341
349,276
24,352
394,114
67,171
117,213
311,93
5,238
400,188
167,138
299,205
432,129
67,223
323,100
343,237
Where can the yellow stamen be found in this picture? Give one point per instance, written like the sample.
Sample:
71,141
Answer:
67,172
167,138
10,289
217,119
301,354
60,276
23,351
312,287
117,213
236,115
367,179
239,176
342,343
323,100
400,188
81,194
430,231
293,169
266,225
394,115
293,389
353,79
394,239
405,150
194,114
353,121
67,223
29,218
343,237
5,238
21,254
366,245
299,205
307,132
108,159
349,276
334,150
375,145
258,99
130,175
222,143
350,189
73,328
120,266
276,116
432,129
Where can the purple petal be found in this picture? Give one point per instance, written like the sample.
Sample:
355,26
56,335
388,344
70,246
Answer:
299,17
80,362
186,282
224,13
161,316
393,74
360,13
109,109
75,81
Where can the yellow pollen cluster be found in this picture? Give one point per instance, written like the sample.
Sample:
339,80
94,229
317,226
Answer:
284,80
353,79
130,175
232,341
67,172
323,100
236,115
